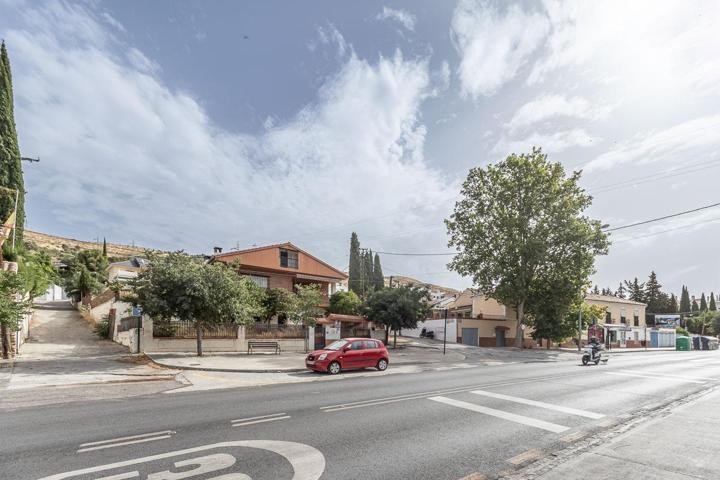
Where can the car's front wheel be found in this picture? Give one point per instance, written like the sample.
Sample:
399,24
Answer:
382,364
334,368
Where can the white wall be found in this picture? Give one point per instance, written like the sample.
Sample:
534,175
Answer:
54,293
436,326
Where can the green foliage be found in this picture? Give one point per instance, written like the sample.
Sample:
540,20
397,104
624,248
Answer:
102,328
682,331
712,307
276,302
378,277
37,272
345,303
703,323
694,308
305,305
635,290
85,273
673,304
703,303
355,270
179,286
621,292
104,250
685,306
11,174
397,308
519,227
12,307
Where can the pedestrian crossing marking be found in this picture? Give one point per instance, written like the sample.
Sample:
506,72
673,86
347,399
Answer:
533,403
512,417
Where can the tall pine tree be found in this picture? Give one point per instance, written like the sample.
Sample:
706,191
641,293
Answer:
379,278
636,290
673,304
653,296
703,303
11,176
355,270
621,292
712,306
685,306
695,307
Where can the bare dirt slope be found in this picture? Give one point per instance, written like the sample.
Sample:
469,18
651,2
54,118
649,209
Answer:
53,244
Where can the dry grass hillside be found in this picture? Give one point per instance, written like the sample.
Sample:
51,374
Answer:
401,280
59,245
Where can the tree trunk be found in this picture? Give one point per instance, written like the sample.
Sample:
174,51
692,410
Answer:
519,331
394,338
4,341
198,334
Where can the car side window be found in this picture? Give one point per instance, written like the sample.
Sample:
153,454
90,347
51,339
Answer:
357,345
370,344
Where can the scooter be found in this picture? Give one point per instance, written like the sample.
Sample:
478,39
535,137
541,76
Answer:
593,355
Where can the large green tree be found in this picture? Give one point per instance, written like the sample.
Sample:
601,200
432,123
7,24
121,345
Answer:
520,222
378,277
368,271
305,308
397,308
621,292
11,175
673,304
182,287
635,290
355,270
685,300
713,306
12,309
276,302
345,303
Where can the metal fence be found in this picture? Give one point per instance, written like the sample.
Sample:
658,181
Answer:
128,323
354,332
186,329
263,330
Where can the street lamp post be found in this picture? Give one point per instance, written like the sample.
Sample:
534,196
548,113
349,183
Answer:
445,332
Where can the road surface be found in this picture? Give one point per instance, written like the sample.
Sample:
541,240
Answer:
436,424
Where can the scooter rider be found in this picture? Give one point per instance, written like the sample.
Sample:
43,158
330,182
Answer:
595,345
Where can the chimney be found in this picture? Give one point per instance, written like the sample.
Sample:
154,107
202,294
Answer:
217,249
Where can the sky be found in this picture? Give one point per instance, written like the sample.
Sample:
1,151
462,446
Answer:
189,125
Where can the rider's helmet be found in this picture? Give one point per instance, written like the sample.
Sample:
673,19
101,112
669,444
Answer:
594,340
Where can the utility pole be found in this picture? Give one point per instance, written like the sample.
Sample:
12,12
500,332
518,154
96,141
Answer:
445,331
391,280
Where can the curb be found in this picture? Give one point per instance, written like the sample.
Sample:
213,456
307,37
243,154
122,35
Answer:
269,370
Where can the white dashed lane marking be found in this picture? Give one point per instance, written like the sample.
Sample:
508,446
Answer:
119,442
533,403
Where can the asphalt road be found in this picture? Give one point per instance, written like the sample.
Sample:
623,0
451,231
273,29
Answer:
430,425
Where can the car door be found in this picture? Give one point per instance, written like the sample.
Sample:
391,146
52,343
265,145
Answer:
353,358
372,353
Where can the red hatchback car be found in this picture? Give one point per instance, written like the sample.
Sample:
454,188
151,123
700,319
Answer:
347,354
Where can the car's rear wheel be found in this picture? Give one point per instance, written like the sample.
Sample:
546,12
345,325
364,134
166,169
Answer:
382,364
334,368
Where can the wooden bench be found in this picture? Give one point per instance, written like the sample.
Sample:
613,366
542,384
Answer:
262,344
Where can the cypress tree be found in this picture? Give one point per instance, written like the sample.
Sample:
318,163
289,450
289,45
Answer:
621,291
703,303
596,290
695,307
713,306
368,276
673,304
11,175
355,269
685,300
104,248
379,278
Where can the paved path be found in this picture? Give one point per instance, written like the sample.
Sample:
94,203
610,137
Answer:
481,421
63,351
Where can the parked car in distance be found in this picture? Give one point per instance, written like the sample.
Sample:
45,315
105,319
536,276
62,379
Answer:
349,354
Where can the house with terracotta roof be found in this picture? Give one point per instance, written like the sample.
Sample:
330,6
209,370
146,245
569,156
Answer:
284,265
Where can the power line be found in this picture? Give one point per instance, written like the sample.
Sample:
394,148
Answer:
644,222
416,254
666,231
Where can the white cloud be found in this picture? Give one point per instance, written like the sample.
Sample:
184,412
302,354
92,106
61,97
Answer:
690,139
551,142
125,153
329,35
552,106
403,17
494,44
140,62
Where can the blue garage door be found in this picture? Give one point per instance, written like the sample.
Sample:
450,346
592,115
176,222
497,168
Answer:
470,336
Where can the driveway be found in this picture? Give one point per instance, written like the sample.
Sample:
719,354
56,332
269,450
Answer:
64,351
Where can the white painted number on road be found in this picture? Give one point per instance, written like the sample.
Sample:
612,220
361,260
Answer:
307,463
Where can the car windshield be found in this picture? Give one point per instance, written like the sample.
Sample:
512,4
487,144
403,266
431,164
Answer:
337,345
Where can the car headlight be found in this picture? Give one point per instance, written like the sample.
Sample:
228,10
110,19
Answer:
322,356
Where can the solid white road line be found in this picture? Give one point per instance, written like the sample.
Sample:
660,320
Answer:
668,379
257,418
120,444
531,422
264,420
548,406
689,377
132,437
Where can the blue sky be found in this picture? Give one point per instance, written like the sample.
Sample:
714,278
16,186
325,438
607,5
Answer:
194,124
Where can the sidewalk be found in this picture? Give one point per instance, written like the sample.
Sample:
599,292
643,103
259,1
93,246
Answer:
286,362
679,446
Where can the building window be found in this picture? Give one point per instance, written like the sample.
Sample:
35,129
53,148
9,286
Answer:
623,319
261,282
608,317
636,320
288,259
